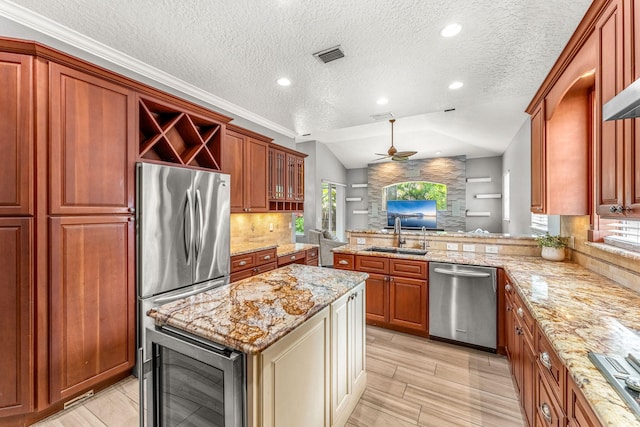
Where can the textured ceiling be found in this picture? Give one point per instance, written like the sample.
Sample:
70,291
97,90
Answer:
236,50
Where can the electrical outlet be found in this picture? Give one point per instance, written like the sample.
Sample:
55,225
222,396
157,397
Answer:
289,225
468,248
271,226
572,242
361,241
491,249
452,246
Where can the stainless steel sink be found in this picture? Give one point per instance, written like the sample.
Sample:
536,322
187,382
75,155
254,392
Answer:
402,251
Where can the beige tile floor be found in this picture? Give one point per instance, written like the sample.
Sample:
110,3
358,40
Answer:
411,381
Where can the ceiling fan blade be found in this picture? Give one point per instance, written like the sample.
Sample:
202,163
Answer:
405,153
382,154
399,158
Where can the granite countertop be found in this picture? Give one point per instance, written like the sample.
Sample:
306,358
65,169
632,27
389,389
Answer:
251,314
282,249
578,310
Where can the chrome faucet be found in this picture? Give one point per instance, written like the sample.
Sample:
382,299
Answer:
425,245
397,229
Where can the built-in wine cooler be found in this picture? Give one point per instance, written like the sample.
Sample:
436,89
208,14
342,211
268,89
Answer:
193,382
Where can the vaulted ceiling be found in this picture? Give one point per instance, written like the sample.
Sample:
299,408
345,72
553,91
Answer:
237,49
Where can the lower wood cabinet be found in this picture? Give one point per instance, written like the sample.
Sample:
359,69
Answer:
92,306
16,316
252,263
579,413
408,302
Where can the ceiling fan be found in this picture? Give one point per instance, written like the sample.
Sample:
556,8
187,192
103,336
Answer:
393,153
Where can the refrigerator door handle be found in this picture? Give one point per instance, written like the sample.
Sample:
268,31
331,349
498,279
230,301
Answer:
188,226
199,236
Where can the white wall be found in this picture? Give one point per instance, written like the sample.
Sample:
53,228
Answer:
517,160
320,165
484,167
359,221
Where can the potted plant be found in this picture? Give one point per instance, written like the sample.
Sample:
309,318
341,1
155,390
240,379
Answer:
552,246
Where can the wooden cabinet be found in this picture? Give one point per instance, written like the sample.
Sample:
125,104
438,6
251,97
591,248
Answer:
538,176
579,413
344,261
16,134
609,146
347,354
286,179
397,292
16,316
92,323
312,256
549,410
250,264
92,157
245,157
296,257
295,373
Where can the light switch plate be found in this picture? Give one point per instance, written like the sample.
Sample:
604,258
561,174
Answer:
452,246
491,249
468,248
361,241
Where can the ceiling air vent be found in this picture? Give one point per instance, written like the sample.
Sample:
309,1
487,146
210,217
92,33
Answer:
330,54
382,116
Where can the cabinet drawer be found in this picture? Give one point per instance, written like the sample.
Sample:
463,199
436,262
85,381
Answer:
408,268
265,267
579,413
311,254
312,261
266,256
243,274
372,264
242,262
528,323
291,258
548,409
550,366
343,261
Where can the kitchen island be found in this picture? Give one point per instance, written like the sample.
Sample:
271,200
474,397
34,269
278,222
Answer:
577,310
302,330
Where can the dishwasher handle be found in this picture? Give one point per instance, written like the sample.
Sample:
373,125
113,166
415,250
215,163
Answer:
461,273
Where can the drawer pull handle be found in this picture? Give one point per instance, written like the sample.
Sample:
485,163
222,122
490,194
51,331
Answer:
507,287
267,257
520,312
546,412
518,331
241,263
343,262
293,257
545,360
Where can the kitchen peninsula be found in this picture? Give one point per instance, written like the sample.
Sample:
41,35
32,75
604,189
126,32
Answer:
302,330
564,312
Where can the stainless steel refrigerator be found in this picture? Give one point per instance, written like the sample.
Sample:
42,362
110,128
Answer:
182,218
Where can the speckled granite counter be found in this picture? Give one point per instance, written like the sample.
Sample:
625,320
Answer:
578,310
251,314
285,249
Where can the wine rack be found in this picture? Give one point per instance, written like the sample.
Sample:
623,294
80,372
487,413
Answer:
170,135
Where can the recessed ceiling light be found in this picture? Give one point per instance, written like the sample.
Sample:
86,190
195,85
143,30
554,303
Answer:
450,30
456,85
382,101
283,81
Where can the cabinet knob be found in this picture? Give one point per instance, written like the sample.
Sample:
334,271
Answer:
518,331
293,257
241,263
520,312
132,210
266,257
508,308
131,219
545,360
546,412
613,209
507,287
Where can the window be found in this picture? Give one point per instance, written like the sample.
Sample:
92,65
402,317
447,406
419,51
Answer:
416,190
333,208
299,222
626,235
539,223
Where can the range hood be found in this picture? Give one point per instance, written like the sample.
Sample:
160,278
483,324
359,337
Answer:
625,105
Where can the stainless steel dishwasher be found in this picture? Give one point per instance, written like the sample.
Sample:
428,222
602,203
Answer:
463,304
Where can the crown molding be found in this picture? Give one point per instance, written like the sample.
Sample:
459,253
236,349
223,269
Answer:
73,38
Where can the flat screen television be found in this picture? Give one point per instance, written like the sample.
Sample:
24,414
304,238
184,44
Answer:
412,213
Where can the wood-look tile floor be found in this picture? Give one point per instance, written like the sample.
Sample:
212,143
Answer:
411,381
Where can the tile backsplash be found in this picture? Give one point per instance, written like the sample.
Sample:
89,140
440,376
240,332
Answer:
256,228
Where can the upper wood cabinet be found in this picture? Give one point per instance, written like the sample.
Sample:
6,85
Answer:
92,154
538,169
92,305
16,316
245,158
286,179
16,134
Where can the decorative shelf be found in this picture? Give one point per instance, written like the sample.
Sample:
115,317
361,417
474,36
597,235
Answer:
472,213
488,196
353,199
360,212
480,179
359,185
170,135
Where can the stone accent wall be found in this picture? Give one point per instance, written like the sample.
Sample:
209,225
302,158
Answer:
450,171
